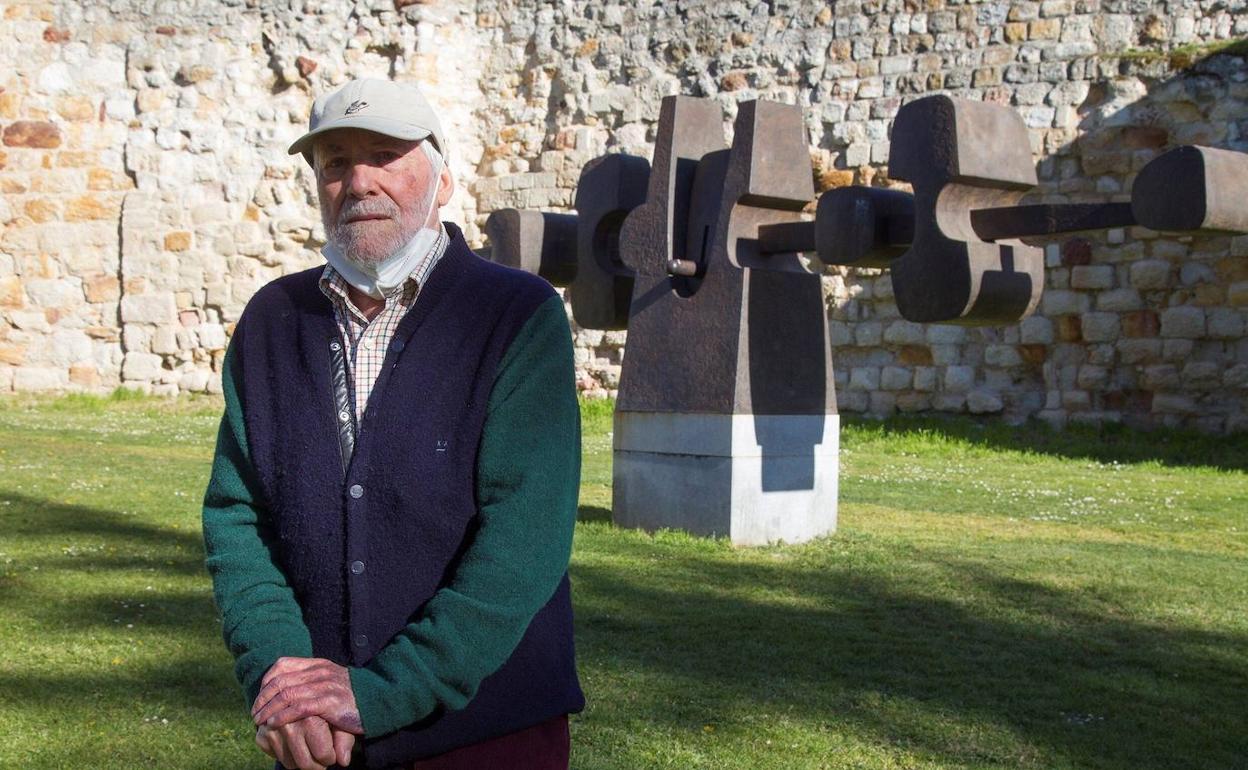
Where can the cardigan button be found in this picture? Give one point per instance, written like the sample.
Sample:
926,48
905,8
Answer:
335,346
397,346
344,416
356,491
360,640
357,568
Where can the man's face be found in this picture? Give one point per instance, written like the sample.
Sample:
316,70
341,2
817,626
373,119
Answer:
375,192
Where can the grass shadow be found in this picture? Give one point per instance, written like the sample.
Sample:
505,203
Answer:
1106,443
1081,682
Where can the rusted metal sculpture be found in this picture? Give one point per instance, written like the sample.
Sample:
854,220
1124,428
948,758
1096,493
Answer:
726,420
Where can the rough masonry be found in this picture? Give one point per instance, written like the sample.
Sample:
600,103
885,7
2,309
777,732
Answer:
147,193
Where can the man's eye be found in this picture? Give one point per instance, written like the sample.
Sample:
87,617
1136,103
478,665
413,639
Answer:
385,156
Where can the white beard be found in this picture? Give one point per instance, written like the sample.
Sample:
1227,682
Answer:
378,264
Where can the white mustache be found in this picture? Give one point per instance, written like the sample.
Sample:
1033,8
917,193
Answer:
368,208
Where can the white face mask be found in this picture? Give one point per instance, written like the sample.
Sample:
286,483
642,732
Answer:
379,280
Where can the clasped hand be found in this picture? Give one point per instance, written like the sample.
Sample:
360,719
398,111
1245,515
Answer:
305,714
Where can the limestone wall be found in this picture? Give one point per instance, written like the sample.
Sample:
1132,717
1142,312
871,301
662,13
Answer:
147,192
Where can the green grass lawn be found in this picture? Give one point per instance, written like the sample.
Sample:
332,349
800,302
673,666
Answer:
994,597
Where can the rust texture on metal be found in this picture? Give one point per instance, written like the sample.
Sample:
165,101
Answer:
1193,188
700,257
960,156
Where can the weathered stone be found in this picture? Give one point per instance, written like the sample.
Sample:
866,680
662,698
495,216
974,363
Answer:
1092,277
1185,322
1150,274
983,402
38,378
864,378
32,133
147,308
1002,355
141,366
895,378
11,292
959,379
1099,327
179,240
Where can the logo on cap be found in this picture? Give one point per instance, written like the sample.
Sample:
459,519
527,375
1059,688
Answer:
355,107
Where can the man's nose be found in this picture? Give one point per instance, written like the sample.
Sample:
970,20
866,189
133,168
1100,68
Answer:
361,180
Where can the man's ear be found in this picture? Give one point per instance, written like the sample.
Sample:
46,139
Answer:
446,186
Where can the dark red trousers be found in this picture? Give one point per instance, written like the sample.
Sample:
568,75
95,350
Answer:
543,746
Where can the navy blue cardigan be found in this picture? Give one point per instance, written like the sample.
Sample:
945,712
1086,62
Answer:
366,546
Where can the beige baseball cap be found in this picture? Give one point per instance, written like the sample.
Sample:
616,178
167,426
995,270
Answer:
394,109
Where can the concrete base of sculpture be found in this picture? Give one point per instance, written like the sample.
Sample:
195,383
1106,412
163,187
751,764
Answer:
756,479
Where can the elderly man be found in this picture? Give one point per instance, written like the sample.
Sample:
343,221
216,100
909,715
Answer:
390,513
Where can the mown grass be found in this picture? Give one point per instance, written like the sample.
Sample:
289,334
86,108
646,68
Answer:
995,597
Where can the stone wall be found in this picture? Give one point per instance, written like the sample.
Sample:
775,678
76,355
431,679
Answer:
147,192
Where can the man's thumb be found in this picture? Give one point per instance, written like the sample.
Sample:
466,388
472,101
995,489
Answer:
343,743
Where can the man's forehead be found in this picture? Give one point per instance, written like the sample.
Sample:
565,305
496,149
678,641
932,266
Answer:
349,138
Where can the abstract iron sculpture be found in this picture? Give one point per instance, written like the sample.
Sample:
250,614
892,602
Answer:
726,420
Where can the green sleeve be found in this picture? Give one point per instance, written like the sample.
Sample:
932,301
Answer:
528,479
260,619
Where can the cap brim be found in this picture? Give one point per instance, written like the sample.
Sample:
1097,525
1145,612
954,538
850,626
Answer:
394,128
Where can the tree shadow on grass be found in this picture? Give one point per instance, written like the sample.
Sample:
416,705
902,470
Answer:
1072,677
1106,444
118,541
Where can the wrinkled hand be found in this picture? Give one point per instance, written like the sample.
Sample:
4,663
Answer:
295,688
309,744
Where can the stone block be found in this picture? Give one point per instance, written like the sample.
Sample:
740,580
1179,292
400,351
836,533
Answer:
1201,375
983,402
1036,330
904,333
1237,294
1236,376
1119,300
101,288
89,207
147,308
211,336
1226,323
895,378
165,339
944,355
1184,322
143,367
924,378
11,292
1092,277
34,134
1003,356
39,378
1151,274
1160,377
1099,327
1092,377
868,333
949,402
943,334
1173,403
864,378
959,379
1061,302
1139,351
178,240
1142,323
84,375
1176,350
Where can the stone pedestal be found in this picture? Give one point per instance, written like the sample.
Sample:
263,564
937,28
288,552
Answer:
756,479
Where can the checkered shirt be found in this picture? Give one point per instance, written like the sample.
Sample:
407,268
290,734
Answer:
367,340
